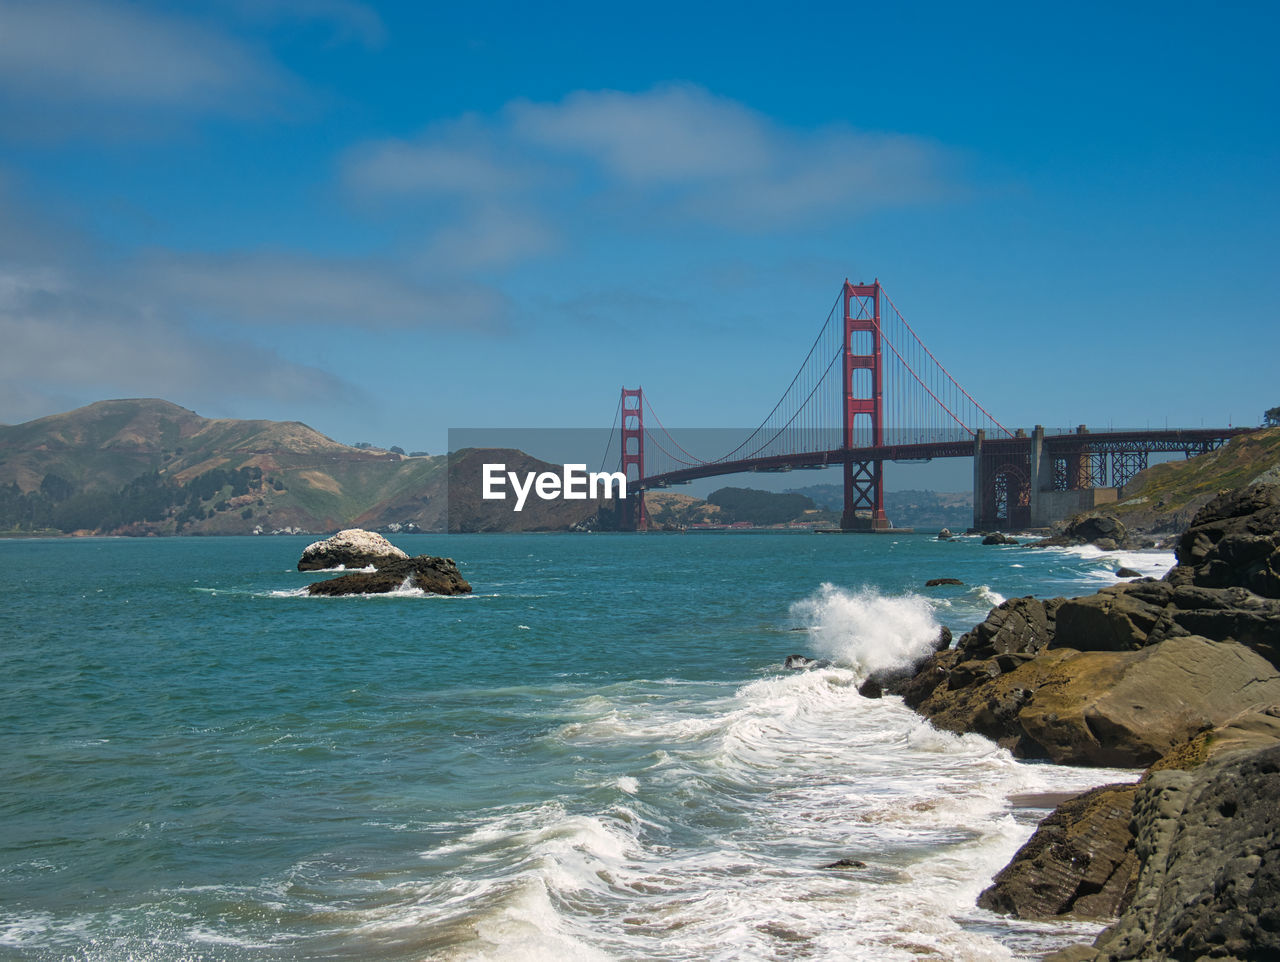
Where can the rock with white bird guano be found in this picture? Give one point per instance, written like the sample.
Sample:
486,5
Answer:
352,548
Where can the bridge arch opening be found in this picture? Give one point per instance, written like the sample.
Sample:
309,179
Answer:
860,383
1011,496
861,343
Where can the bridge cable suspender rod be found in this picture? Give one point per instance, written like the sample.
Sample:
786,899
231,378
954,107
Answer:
609,444
940,365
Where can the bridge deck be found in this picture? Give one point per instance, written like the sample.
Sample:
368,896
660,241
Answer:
1171,439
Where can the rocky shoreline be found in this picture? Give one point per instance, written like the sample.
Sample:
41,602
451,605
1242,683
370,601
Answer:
1180,676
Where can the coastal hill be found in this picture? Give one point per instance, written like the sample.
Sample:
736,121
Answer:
147,466
1165,497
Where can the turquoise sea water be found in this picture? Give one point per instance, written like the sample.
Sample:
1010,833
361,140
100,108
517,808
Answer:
597,754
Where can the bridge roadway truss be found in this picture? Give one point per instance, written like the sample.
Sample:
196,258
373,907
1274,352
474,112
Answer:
868,382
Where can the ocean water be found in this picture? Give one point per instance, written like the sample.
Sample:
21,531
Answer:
597,755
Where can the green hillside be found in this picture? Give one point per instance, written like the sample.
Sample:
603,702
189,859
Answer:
1165,497
140,467
151,467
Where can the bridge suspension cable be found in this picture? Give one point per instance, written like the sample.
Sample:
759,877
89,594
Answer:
920,401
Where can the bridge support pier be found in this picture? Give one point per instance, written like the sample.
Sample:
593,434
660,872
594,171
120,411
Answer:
864,492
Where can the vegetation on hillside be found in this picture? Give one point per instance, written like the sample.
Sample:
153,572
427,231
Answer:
739,505
150,467
1165,497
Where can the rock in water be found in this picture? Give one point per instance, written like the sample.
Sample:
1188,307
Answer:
999,538
438,576
352,548
934,582
1092,530
944,534
871,688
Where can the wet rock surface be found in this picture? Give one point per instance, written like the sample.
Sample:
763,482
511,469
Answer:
438,576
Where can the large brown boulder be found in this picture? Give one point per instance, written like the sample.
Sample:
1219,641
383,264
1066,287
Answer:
1079,863
1104,531
438,576
1111,708
1126,709
1233,541
1118,618
351,548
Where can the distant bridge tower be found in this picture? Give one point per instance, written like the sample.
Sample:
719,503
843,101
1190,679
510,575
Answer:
863,399
634,517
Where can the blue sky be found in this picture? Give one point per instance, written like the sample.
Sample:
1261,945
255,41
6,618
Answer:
387,220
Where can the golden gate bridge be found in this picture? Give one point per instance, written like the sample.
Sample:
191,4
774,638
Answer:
871,391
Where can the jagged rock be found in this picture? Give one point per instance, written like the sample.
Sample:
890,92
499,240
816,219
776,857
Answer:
945,534
351,548
1104,531
935,582
1233,541
871,688
943,641
1135,614
847,863
1123,572
1095,528
1018,625
1229,613
434,575
999,538
1117,618
1080,862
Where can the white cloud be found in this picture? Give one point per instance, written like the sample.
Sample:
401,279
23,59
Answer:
675,134
464,159
285,288
64,342
675,154
490,237
719,161
346,18
103,52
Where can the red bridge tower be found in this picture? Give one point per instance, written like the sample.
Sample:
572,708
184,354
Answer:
634,516
863,399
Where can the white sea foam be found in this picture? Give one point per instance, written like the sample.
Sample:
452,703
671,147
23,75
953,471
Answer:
1102,565
868,631
717,852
